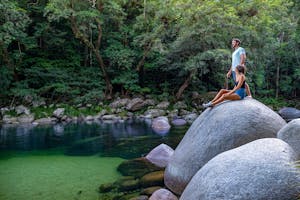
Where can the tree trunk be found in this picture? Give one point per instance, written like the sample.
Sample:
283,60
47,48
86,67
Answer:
95,49
8,62
185,84
108,91
140,66
277,81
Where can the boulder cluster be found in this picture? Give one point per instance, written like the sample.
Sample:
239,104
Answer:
118,110
236,150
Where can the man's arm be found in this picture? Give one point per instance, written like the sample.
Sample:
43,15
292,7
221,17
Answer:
243,59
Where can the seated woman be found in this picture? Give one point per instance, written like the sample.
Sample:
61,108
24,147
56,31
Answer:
237,93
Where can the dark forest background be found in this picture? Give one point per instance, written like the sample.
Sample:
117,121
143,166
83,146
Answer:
87,51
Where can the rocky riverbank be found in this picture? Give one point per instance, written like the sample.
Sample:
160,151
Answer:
120,109
117,110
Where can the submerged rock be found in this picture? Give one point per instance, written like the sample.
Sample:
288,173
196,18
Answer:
142,197
218,129
129,185
150,190
137,167
153,179
262,169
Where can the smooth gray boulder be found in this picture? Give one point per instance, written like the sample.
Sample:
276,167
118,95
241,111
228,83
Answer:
160,155
179,122
58,113
163,194
260,170
290,133
218,129
135,104
289,113
160,125
118,103
23,119
152,113
22,110
163,105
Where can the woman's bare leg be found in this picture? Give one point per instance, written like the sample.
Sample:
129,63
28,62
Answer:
220,93
231,97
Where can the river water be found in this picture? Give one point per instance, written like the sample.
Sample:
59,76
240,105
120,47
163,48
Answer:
70,161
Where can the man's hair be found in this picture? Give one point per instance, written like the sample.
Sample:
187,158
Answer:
237,40
241,69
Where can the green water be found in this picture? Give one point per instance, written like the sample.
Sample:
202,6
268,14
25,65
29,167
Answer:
70,162
55,177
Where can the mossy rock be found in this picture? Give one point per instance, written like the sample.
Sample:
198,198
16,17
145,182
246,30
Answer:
153,179
129,185
137,167
150,190
111,196
87,146
126,196
141,197
122,179
106,187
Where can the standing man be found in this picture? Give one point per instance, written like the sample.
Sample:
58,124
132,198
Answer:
238,58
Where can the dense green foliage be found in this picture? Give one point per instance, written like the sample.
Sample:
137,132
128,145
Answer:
81,51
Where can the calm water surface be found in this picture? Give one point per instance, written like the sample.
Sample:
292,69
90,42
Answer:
71,161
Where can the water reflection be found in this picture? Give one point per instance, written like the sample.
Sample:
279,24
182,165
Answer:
128,139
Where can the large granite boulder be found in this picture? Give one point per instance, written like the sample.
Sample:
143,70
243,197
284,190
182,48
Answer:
289,113
218,129
262,169
290,133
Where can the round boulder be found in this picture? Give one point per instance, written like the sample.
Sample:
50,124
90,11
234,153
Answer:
160,125
135,104
290,133
262,169
179,122
218,129
160,155
152,179
163,194
289,113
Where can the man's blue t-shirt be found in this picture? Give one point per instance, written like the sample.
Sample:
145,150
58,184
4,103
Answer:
236,57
